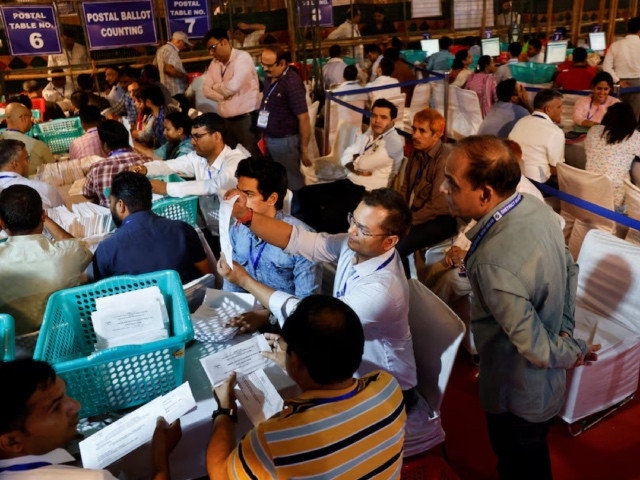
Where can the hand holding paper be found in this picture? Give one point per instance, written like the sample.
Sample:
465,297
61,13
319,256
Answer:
243,358
226,207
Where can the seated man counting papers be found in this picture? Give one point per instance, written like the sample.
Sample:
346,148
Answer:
38,420
145,242
338,423
264,182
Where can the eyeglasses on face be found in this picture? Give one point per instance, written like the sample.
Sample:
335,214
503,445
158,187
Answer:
360,229
198,136
212,48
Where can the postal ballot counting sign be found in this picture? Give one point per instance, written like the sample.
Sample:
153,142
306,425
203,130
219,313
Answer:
189,16
31,29
119,24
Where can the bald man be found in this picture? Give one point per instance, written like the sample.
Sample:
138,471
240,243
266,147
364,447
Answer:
19,122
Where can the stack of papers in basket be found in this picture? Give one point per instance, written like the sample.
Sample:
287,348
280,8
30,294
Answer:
86,219
130,318
67,172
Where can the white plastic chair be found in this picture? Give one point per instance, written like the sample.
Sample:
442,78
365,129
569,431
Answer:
327,168
341,114
465,115
607,307
436,333
399,101
314,152
419,101
590,186
632,201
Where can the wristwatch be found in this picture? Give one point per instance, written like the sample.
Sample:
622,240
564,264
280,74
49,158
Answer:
225,411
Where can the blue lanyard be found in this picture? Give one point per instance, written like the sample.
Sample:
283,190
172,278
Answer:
589,114
120,150
539,116
343,291
255,261
266,99
24,466
324,401
160,125
492,221
9,176
376,140
224,70
13,130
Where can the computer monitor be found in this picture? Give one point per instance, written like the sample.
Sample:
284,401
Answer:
430,46
556,52
597,41
491,46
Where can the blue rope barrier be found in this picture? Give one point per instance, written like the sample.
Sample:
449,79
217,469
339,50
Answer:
358,91
591,207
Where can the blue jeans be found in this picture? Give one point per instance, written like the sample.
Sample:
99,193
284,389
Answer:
286,151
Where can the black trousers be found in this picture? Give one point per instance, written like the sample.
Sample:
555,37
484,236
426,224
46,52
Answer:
521,447
425,235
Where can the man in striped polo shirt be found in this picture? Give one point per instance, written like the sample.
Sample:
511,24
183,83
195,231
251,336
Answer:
339,427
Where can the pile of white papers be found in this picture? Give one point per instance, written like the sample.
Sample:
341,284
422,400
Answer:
130,318
135,429
243,358
217,309
67,172
86,220
258,396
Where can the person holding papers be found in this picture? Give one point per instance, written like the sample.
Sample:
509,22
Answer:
33,267
318,433
264,182
39,420
145,242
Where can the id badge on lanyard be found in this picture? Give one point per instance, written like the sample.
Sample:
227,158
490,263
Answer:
263,118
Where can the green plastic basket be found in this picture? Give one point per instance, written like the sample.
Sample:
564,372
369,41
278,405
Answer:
118,377
413,56
7,337
58,134
530,72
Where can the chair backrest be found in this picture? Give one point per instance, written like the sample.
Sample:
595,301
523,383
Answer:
609,278
399,101
340,113
7,337
465,115
420,100
314,152
632,201
345,137
437,333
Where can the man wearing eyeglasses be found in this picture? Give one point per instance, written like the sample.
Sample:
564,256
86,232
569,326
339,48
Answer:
232,81
19,122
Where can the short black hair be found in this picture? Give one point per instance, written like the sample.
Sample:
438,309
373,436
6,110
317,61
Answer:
335,51
152,93
398,220
217,33
386,66
535,43
133,189
350,72
619,123
214,123
180,120
23,377
515,49
271,177
85,81
114,134
79,99
506,89
633,25
327,336
9,149
545,96
579,54
372,47
392,54
278,51
128,71
461,56
151,72
20,209
602,77
483,62
491,163
445,42
384,103
90,115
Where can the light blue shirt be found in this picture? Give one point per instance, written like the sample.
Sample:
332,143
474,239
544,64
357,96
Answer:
501,119
439,61
271,266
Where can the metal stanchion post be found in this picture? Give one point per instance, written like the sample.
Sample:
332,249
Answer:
327,121
446,103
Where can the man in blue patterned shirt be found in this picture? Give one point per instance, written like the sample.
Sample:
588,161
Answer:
264,182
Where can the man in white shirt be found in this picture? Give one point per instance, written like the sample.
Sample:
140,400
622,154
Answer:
116,94
374,55
333,70
508,23
232,81
72,54
58,91
248,35
541,140
371,162
348,30
172,72
623,63
385,69
39,420
212,164
14,168
350,75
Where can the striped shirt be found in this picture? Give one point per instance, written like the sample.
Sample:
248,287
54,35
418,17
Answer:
352,433
101,173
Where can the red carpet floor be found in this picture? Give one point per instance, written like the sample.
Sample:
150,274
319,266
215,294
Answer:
610,450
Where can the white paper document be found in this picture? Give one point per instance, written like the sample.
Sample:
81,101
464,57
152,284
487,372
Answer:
217,309
258,396
135,429
226,207
243,358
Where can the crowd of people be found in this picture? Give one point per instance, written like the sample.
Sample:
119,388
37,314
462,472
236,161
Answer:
350,349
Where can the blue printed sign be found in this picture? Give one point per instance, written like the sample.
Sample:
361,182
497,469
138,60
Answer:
189,16
119,24
309,14
31,29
